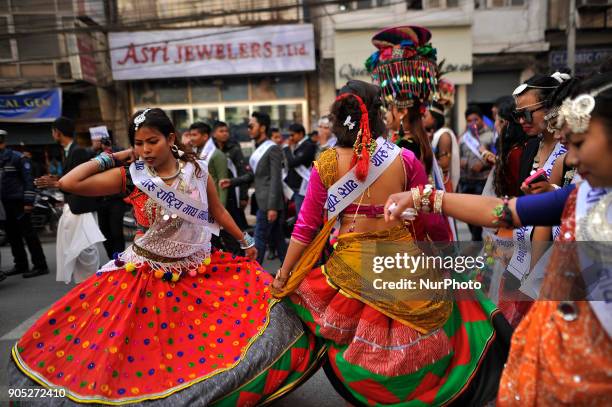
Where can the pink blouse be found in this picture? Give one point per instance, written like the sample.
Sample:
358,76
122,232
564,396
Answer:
311,216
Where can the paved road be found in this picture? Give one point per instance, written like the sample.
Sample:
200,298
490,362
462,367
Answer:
23,301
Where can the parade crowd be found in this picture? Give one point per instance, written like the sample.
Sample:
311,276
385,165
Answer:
186,314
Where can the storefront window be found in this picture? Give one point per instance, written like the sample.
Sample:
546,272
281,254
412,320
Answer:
282,116
235,89
290,87
204,90
172,91
180,118
271,87
237,118
206,114
144,93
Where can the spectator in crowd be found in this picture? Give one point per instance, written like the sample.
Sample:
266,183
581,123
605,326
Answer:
475,167
54,163
110,208
78,233
17,193
300,153
237,196
326,138
186,141
276,136
266,172
204,147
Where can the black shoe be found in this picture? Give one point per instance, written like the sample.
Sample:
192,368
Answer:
271,256
2,276
36,272
15,270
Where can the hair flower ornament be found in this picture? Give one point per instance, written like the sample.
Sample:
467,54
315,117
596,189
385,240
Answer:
348,123
139,120
576,112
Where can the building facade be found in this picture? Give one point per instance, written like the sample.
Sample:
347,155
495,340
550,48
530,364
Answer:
488,46
57,44
259,60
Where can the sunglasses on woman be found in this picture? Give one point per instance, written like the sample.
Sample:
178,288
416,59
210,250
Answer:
525,114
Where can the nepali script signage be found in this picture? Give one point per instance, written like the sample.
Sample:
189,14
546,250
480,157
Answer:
31,106
212,52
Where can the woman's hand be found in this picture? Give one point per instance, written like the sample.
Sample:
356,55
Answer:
537,188
251,253
280,281
125,156
402,200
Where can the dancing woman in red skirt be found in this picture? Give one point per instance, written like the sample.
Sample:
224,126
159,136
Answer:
166,320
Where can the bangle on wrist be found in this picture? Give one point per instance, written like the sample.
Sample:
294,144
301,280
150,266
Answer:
503,214
425,198
105,161
437,205
416,198
280,278
247,241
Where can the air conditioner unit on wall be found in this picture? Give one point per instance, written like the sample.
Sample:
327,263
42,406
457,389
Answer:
593,3
63,71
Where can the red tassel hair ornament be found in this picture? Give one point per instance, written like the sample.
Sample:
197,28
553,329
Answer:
364,145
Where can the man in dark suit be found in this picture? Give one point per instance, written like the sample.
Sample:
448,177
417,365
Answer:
266,170
300,153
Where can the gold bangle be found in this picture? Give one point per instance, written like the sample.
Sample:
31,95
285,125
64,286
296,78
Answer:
427,190
416,198
438,201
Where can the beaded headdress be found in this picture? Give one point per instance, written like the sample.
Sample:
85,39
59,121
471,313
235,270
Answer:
404,65
576,112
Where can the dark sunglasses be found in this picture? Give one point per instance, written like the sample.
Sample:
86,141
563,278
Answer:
250,126
525,114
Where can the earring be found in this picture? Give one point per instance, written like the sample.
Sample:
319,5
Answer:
176,151
400,132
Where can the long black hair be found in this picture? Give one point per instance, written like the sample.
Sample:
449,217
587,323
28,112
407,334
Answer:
155,118
341,109
512,136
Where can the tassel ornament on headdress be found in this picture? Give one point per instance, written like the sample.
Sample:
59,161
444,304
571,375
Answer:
364,144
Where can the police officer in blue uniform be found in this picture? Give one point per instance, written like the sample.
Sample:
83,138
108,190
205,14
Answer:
18,195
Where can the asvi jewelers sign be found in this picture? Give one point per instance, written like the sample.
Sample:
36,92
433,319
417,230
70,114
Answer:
211,52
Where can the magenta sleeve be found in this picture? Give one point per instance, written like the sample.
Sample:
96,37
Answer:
311,214
436,226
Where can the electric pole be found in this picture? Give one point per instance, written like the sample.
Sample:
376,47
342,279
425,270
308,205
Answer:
571,36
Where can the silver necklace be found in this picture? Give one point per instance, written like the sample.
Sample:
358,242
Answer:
167,177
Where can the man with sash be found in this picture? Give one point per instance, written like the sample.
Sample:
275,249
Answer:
78,234
237,196
204,147
266,172
474,167
300,153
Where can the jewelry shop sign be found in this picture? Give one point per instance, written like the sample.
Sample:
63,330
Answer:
212,52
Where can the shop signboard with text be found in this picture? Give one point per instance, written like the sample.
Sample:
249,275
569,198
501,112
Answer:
31,106
212,52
